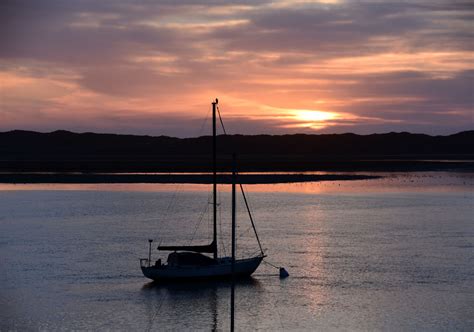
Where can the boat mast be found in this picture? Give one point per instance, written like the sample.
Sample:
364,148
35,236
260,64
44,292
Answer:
214,177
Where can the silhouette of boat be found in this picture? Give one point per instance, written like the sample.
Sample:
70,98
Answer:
190,262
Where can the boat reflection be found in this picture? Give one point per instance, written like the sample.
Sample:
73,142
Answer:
196,305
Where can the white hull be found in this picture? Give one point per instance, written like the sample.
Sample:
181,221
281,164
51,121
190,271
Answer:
223,269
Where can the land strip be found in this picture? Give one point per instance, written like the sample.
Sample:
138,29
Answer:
175,178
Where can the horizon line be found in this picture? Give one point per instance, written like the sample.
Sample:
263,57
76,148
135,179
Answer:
235,134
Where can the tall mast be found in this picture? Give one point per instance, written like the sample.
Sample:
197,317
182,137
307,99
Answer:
214,177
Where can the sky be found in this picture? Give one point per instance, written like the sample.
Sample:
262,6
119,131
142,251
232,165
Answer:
277,67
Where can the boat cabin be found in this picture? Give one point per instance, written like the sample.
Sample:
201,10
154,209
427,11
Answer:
189,259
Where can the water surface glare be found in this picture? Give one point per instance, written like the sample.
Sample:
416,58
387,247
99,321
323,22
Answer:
388,254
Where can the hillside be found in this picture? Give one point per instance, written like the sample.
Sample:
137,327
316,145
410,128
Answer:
67,151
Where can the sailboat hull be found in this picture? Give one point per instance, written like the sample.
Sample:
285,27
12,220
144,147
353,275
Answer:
223,269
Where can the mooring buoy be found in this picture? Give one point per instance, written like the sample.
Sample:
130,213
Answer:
283,273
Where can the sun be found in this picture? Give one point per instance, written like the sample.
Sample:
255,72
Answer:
313,115
303,118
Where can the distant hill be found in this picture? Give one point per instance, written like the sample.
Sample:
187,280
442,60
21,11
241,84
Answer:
67,151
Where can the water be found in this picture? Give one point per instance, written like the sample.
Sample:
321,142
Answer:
389,254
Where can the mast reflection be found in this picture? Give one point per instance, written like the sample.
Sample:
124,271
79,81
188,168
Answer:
195,305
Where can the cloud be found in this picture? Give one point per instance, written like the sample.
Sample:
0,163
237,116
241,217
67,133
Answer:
378,64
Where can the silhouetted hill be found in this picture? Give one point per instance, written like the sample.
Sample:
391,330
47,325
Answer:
67,151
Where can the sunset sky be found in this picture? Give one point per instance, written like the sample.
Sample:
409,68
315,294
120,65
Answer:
153,67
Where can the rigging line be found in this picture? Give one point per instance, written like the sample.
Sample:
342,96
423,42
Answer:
243,192
172,200
204,122
222,122
199,223
220,228
266,262
249,253
175,193
155,314
242,234
251,218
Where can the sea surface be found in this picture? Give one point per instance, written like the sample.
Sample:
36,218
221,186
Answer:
395,253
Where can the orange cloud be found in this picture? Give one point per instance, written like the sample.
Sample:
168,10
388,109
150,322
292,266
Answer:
284,66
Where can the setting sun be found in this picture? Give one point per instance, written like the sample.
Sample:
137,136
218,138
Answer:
313,116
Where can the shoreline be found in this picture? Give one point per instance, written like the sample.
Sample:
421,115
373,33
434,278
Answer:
91,178
262,165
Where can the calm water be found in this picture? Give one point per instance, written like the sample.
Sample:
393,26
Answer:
389,254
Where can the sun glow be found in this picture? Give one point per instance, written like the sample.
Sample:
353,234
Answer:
304,118
313,119
313,116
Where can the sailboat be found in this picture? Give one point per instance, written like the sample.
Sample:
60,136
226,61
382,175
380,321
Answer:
191,262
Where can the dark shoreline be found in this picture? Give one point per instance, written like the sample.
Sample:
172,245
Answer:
260,164
62,152
28,178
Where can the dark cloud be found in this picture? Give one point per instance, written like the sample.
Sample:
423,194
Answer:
350,29
437,94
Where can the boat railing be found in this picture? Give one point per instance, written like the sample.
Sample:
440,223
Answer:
144,262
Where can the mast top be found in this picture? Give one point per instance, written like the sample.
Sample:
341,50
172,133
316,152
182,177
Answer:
215,102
